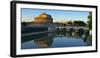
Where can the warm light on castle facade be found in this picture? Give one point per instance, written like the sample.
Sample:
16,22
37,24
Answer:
43,18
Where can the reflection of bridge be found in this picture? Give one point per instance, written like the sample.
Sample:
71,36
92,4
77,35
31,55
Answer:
73,27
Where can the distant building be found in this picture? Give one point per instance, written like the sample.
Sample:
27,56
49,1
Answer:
43,18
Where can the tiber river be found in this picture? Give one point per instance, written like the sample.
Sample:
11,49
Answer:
54,40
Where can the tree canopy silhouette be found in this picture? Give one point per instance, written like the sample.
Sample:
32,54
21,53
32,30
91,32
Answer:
90,20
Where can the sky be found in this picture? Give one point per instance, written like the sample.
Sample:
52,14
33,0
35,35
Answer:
28,14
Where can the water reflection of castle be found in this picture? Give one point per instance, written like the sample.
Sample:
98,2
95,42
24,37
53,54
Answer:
45,40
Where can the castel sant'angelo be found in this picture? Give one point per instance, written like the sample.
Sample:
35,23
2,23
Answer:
43,18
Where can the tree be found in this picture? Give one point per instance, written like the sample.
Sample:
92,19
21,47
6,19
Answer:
79,23
24,23
69,23
90,20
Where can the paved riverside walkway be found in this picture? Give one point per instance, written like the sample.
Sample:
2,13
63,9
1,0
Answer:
34,33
